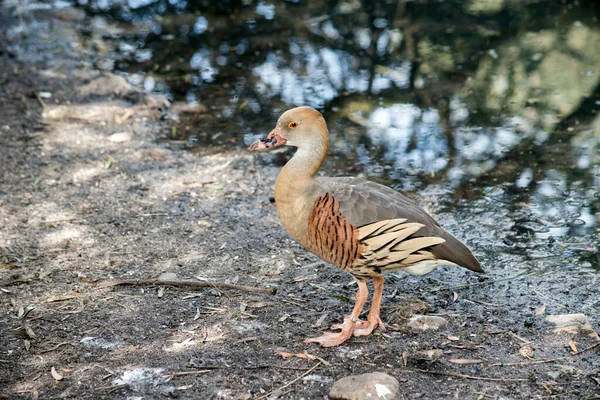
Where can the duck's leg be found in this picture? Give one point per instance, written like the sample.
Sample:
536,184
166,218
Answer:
330,339
373,321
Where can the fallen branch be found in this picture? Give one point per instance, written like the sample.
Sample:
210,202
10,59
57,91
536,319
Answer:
545,360
193,284
292,382
477,378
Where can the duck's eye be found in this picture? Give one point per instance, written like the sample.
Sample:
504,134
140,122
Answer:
293,124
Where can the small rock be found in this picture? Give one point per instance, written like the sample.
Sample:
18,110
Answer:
167,276
422,355
572,323
553,374
375,385
426,322
156,100
350,354
570,370
120,137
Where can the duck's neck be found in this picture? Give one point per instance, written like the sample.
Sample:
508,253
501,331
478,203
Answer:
301,169
296,190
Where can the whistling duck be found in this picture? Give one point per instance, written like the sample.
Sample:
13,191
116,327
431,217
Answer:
359,226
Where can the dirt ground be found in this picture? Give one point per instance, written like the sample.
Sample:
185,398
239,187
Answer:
91,191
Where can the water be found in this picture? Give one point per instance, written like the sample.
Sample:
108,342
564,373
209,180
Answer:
492,104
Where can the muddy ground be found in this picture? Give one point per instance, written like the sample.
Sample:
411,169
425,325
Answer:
91,191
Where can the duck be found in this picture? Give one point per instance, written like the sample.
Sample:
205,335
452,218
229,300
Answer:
362,227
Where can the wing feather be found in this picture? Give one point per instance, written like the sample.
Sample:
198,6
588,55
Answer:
377,211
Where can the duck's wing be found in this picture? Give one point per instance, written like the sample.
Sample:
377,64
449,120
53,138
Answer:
395,226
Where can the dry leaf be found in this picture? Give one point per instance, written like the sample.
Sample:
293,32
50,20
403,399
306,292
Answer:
110,160
56,375
30,332
573,346
320,320
464,361
245,187
454,296
60,298
540,310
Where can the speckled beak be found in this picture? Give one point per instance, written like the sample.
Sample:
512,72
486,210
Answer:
273,140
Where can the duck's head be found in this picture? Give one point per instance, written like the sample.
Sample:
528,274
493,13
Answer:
298,127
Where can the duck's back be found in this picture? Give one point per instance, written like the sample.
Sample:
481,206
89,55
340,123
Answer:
360,222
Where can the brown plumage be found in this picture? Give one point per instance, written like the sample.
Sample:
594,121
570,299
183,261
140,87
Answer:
359,226
333,238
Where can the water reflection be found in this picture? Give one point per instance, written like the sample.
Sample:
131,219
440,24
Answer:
494,99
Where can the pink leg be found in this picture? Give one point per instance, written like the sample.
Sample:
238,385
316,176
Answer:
330,339
373,320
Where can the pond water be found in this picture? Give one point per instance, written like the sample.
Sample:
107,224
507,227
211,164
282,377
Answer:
492,103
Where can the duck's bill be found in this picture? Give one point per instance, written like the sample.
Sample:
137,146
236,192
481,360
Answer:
273,140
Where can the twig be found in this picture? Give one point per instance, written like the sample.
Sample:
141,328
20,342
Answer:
42,102
55,347
184,373
112,388
292,382
519,276
520,338
152,282
305,356
545,360
21,279
484,303
478,378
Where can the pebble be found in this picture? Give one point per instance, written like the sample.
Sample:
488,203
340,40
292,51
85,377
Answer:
120,137
373,386
426,322
573,323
